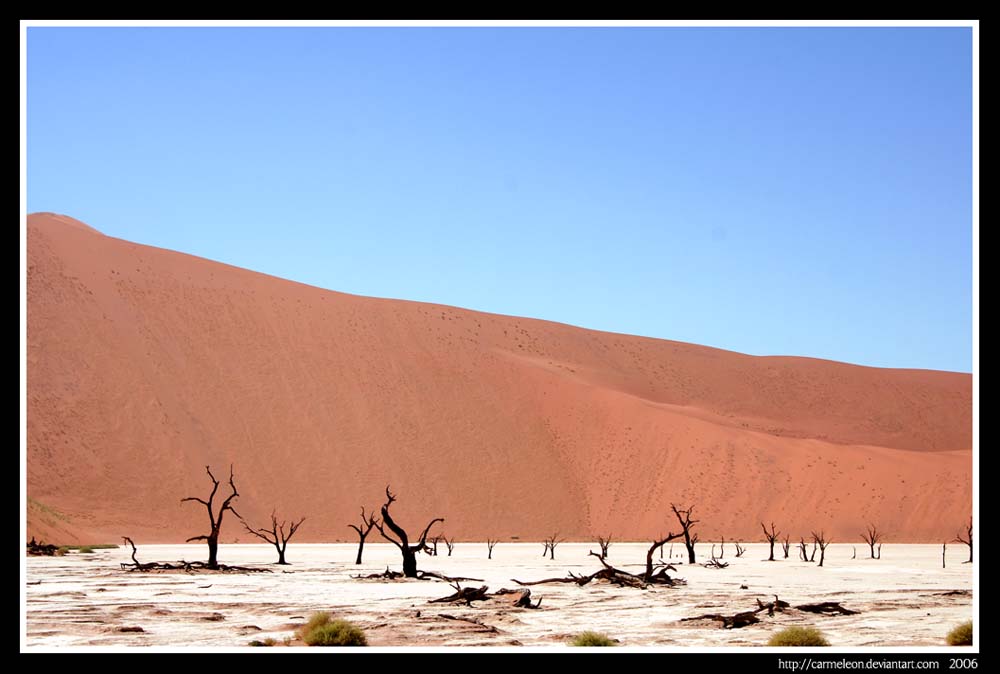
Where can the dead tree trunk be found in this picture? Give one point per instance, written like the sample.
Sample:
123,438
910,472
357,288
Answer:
648,576
967,540
490,544
854,552
803,553
684,517
432,550
605,543
722,548
872,536
136,564
276,535
402,541
550,545
944,548
215,519
785,545
367,524
820,540
740,550
449,543
771,536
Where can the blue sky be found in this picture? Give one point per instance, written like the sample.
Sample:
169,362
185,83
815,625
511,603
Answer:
782,191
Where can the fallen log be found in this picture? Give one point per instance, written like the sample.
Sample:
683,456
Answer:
735,621
136,565
464,594
523,599
385,575
826,608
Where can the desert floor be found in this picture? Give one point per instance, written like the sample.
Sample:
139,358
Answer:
80,600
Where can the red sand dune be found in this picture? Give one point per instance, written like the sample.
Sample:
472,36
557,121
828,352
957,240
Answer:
144,365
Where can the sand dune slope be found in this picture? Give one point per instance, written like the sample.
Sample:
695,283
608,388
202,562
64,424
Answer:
144,365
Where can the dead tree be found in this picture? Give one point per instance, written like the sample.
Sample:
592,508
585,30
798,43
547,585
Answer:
967,541
854,552
490,544
605,543
785,545
820,540
41,549
463,594
826,608
684,517
550,544
215,519
722,548
449,543
803,553
872,536
276,535
648,576
136,564
771,536
740,550
432,549
944,548
367,524
402,541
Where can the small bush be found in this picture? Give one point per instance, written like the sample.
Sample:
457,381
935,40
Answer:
798,636
266,642
85,549
961,635
336,633
317,619
591,639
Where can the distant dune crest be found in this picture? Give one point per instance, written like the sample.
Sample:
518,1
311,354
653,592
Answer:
145,365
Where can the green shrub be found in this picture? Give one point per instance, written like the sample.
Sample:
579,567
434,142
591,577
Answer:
266,642
317,619
591,639
336,633
798,636
85,549
961,635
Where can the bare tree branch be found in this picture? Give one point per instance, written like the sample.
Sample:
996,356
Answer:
771,536
215,518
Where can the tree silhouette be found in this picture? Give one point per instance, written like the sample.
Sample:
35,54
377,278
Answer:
367,524
276,535
684,517
967,540
402,541
215,519
872,536
771,536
